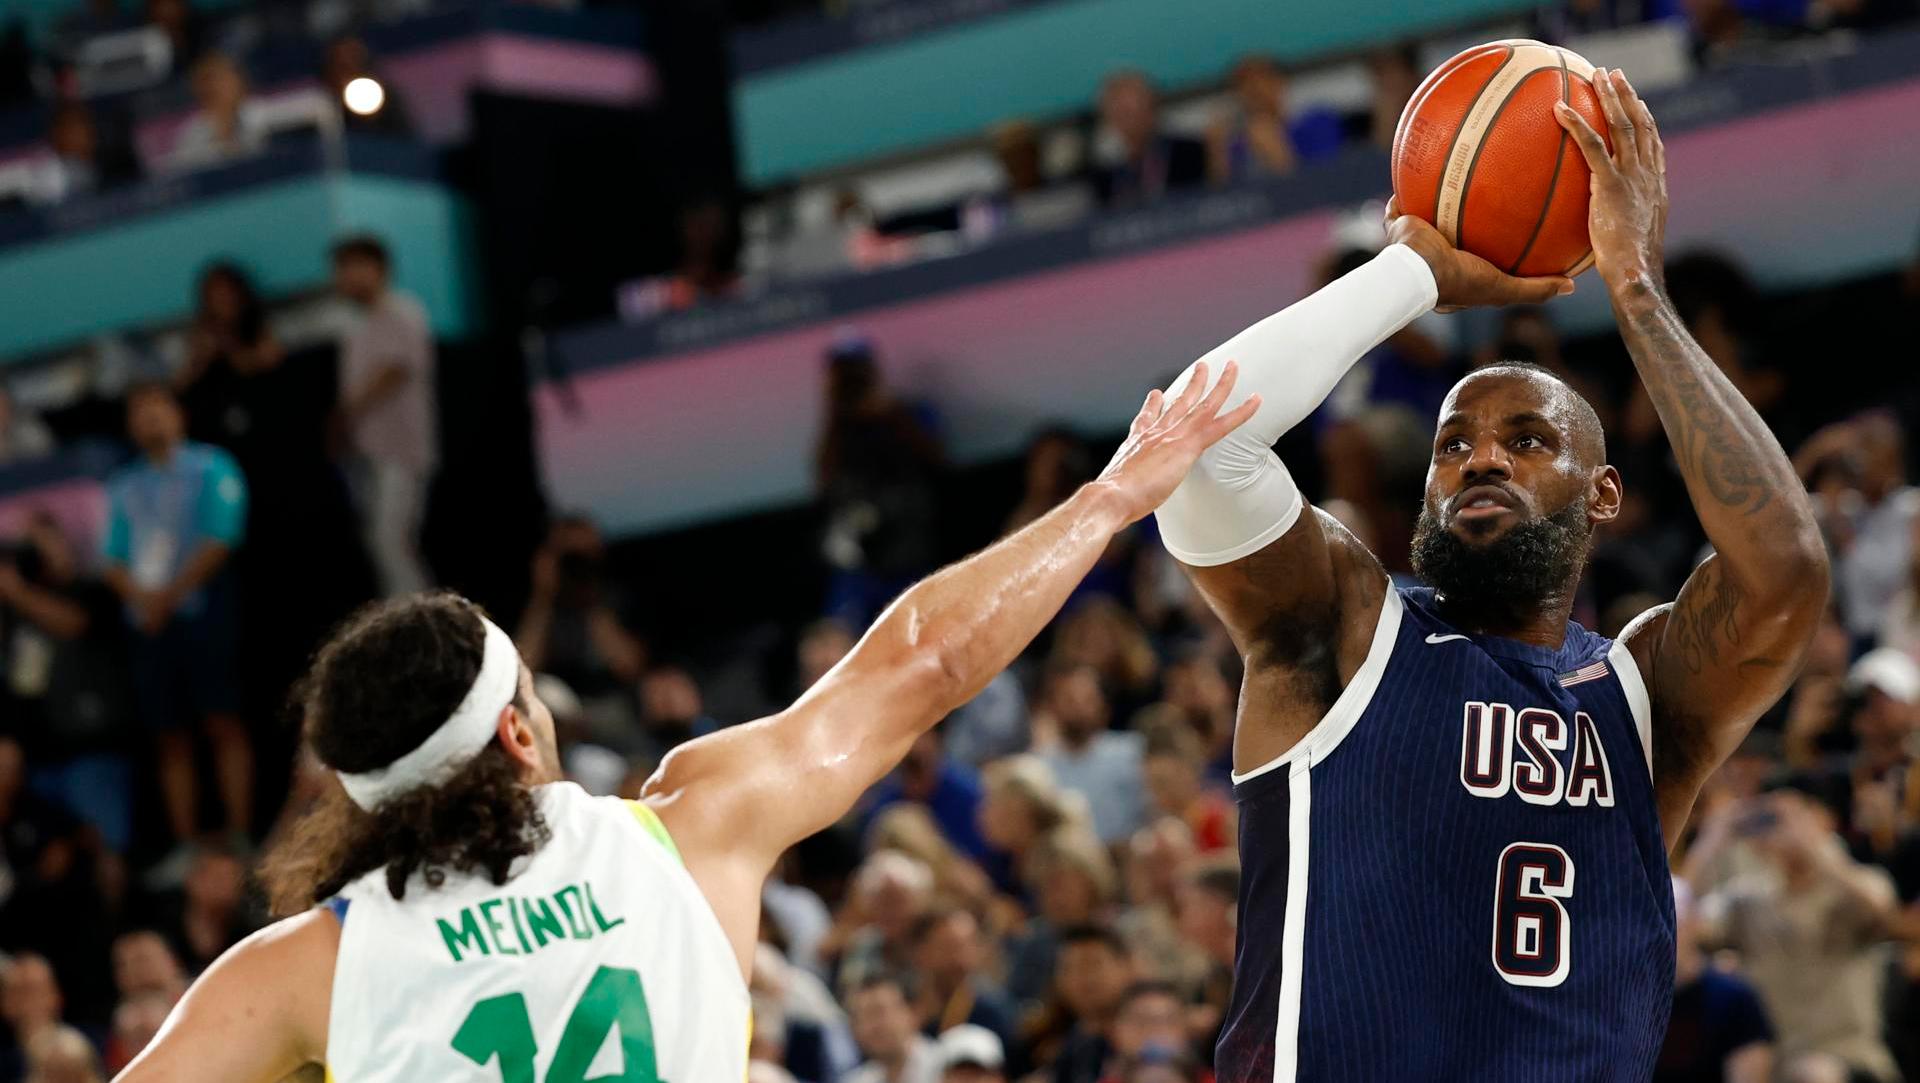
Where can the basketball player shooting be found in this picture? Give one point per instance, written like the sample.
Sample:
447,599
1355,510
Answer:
1456,804
464,915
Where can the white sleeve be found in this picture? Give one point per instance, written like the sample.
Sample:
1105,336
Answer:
1238,498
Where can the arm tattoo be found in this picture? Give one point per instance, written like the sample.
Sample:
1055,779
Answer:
1702,425
1707,619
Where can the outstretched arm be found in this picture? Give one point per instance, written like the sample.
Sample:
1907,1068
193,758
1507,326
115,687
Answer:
735,800
1733,641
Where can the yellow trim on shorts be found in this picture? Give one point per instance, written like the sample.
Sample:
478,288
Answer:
650,821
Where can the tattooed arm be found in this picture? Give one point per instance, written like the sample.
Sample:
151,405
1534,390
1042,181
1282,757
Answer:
1733,641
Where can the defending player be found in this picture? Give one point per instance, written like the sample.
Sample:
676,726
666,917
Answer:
481,921
1456,805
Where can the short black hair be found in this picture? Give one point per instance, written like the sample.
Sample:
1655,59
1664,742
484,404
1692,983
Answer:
1586,420
363,246
1090,933
902,982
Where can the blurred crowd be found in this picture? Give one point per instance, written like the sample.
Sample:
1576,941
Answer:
1045,889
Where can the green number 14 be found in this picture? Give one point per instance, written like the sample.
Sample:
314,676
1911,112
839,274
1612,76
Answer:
500,1027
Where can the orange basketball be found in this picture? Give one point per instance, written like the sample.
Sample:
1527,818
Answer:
1479,154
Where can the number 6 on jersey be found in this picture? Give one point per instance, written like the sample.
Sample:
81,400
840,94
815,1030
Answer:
1532,934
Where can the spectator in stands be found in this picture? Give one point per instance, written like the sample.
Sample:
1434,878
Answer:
347,59
870,936
30,1007
77,164
1199,690
571,628
175,517
990,725
229,125
62,1054
212,912
1718,1029
387,395
182,26
1071,880
950,791
706,268
1100,764
1393,74
144,964
875,467
1152,163
135,1022
1264,138
65,651
229,337
970,1054
949,960
1871,523
671,710
1175,763
1026,198
1209,917
1150,1022
22,434
881,1006
1155,861
1095,972
1807,931
1023,804
242,392
909,828
1102,633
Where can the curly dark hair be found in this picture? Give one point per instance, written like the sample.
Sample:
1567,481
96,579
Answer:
385,681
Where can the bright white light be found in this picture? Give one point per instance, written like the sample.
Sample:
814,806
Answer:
365,96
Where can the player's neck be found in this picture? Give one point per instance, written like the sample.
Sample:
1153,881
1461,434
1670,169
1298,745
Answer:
1542,625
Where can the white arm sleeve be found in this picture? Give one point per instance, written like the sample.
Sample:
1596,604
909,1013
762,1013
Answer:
1238,498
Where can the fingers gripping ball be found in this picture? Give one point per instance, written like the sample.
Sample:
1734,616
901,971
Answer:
1479,154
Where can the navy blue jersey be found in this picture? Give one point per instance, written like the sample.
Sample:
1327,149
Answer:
1459,873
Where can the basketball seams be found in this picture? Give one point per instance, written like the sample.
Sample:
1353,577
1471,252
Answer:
1440,215
1480,147
1553,183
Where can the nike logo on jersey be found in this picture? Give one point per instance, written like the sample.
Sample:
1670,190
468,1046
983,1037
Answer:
1443,639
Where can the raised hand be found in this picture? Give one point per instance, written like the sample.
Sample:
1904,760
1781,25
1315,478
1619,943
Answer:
1462,279
1166,439
1627,214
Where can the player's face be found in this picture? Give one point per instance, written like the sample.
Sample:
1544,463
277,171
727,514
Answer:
1505,453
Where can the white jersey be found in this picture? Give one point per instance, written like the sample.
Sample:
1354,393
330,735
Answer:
599,960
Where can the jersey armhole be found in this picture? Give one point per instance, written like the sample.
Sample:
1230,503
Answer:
649,821
1633,684
1352,702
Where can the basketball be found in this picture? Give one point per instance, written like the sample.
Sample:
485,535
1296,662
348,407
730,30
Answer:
1479,154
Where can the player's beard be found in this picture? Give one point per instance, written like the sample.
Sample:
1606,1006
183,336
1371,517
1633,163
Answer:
1513,574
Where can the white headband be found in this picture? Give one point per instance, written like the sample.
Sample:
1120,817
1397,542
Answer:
459,738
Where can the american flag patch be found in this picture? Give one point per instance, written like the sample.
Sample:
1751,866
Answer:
1584,674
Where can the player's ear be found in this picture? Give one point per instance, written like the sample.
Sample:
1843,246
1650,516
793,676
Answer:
515,731
1603,500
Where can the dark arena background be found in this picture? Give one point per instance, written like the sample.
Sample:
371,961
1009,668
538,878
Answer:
682,335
